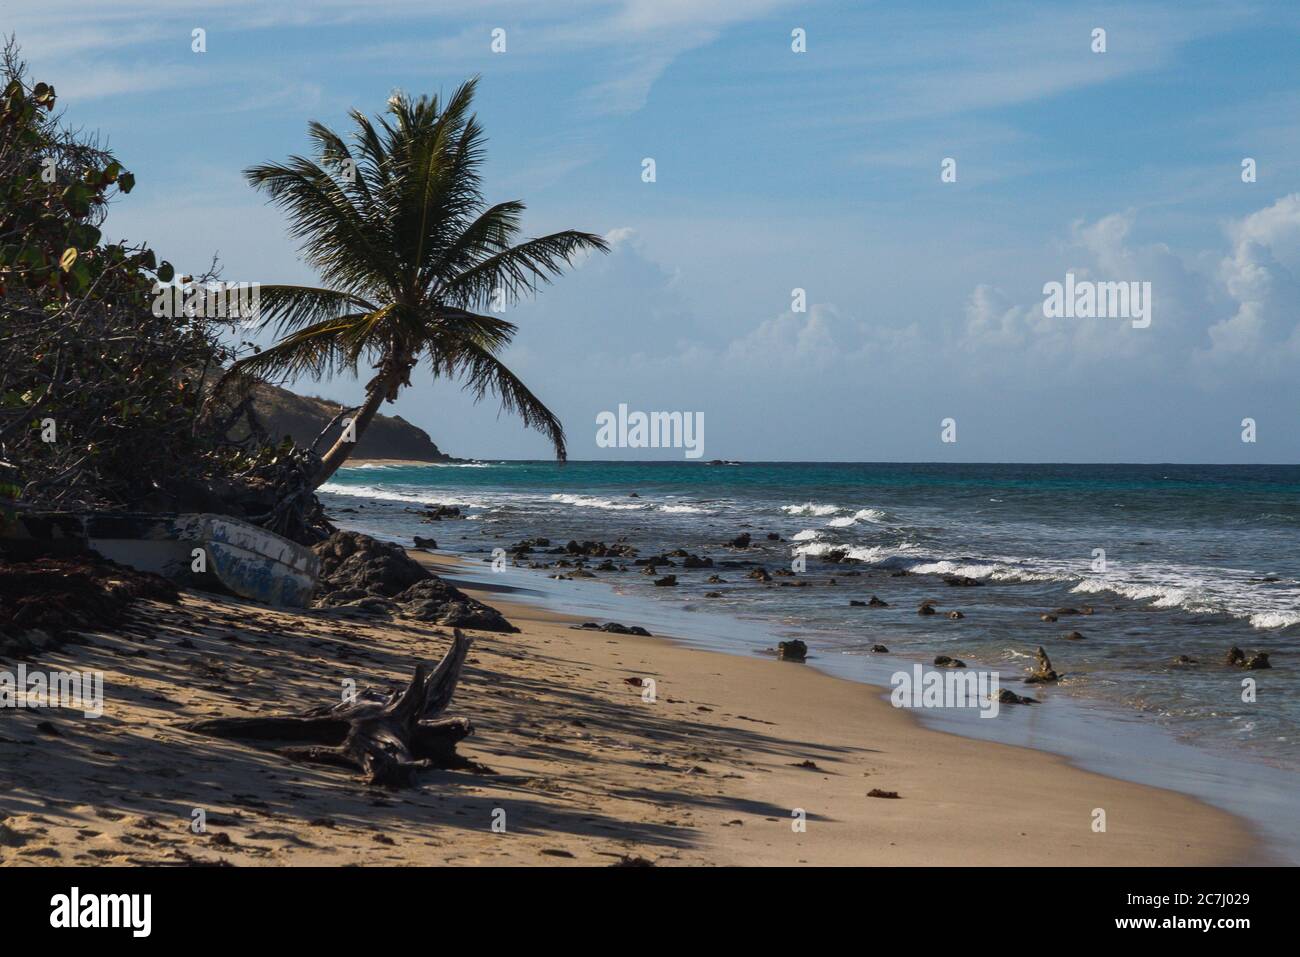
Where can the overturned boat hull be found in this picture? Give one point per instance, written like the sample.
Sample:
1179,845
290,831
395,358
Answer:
193,548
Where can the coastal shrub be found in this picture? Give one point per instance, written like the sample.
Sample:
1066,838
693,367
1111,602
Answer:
102,396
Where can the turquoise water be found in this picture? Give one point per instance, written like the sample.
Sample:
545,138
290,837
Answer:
1196,559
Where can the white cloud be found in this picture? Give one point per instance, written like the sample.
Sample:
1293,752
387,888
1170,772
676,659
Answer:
1262,275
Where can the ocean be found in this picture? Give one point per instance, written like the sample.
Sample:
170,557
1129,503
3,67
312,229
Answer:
1172,560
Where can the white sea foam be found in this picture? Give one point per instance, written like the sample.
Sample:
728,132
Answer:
394,495
807,535
868,554
592,501
810,508
872,515
685,509
1275,619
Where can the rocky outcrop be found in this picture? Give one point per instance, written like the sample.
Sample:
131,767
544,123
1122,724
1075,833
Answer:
284,413
373,577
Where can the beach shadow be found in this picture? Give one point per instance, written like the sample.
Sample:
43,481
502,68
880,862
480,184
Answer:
154,771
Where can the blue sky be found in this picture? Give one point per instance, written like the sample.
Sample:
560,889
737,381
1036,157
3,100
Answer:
778,170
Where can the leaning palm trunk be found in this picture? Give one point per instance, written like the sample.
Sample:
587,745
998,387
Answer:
397,226
382,387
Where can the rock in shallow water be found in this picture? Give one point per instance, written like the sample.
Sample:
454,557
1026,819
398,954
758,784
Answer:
792,650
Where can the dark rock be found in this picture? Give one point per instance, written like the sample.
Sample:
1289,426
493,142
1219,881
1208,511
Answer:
1006,696
760,574
853,603
926,608
667,581
1047,617
954,615
600,550
372,577
1235,656
695,561
713,594
614,628
943,661
741,541
1257,661
877,793
438,512
421,542
1073,636
1043,673
962,581
879,650
792,650
877,603
1185,660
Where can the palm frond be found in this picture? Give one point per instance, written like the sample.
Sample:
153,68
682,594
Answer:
447,326
292,307
336,237
517,271
319,350
483,373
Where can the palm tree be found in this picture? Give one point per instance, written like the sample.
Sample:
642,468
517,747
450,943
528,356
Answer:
408,250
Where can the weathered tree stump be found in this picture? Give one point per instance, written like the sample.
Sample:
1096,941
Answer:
388,737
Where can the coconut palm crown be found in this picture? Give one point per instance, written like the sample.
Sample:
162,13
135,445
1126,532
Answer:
409,253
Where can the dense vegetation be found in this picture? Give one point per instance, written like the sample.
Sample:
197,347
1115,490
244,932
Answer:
102,396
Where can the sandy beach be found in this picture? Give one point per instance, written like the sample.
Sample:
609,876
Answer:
717,770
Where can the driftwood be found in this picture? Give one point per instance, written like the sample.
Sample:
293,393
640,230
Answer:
387,737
